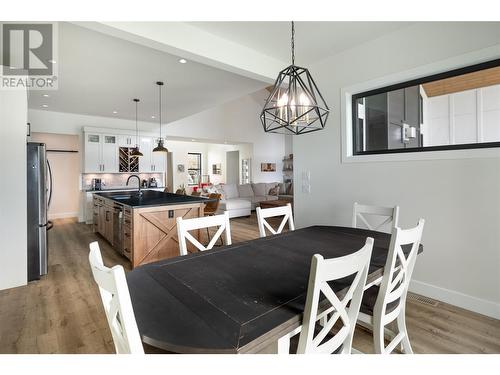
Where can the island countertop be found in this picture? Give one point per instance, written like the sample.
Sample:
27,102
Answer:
150,198
143,228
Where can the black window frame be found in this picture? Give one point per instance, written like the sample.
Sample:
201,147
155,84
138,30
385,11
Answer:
196,169
414,82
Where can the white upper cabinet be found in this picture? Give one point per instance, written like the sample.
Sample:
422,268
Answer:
101,153
145,161
93,153
126,141
109,154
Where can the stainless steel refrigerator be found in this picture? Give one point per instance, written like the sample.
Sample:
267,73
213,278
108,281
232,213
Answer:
39,181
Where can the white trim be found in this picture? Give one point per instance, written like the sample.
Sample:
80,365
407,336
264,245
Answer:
472,58
452,297
117,132
63,215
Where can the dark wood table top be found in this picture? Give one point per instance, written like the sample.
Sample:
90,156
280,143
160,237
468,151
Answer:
274,203
239,298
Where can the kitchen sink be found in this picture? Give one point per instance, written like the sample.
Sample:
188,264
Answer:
120,197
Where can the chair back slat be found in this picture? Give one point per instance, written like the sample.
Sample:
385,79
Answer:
186,225
361,211
117,304
264,213
346,309
398,270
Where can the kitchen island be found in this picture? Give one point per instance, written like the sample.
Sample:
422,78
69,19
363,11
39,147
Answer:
143,227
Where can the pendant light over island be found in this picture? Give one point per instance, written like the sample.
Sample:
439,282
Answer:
136,151
160,147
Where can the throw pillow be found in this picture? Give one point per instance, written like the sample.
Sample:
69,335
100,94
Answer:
245,191
259,189
274,191
230,191
218,189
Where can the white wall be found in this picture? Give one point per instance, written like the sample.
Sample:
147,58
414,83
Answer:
65,173
460,199
13,236
210,154
238,121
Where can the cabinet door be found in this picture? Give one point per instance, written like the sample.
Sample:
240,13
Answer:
108,230
101,222
145,161
158,161
126,141
92,153
109,153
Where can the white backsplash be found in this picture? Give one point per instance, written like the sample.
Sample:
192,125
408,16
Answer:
118,180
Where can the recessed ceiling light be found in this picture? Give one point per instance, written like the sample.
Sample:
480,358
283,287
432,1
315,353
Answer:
45,95
115,112
45,106
193,140
183,61
52,61
153,117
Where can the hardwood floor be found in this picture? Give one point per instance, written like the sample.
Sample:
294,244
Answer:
62,313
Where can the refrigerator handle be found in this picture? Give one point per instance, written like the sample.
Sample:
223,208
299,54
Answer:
50,181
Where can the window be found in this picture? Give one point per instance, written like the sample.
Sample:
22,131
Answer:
458,109
194,168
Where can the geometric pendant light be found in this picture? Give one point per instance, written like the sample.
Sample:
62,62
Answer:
160,147
135,151
295,105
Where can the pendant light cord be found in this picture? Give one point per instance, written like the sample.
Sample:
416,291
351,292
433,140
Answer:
160,109
293,43
136,128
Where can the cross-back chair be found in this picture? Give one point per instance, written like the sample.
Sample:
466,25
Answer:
186,225
116,302
361,211
265,213
385,305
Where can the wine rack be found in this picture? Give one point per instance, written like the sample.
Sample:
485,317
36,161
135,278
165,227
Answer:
127,162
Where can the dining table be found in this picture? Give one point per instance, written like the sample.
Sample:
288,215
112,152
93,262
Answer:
241,298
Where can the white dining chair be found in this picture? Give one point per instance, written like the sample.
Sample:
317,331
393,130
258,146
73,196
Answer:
265,213
186,225
117,305
319,318
362,214
385,305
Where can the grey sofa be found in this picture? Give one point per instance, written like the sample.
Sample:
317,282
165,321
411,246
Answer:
240,200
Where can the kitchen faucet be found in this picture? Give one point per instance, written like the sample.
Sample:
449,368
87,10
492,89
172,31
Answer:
138,183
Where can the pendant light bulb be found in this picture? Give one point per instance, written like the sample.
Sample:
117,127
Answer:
160,147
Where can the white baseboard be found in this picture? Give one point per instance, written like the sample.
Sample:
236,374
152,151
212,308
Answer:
63,215
455,298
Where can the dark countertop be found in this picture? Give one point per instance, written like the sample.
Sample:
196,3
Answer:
150,198
124,188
